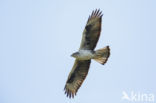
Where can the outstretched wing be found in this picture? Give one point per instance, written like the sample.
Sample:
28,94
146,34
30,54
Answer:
92,31
76,77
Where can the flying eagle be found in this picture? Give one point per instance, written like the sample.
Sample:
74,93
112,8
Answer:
86,52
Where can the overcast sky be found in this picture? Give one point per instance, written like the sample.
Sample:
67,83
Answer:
37,38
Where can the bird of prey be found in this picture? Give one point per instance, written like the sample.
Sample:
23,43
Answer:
85,53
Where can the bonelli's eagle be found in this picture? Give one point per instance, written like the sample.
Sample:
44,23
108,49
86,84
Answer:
85,53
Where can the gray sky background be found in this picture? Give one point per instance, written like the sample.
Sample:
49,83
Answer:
37,38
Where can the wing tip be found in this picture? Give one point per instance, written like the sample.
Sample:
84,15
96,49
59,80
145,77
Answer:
97,13
69,93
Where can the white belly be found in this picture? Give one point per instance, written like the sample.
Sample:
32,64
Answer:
85,55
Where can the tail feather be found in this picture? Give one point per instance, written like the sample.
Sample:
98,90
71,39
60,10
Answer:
102,55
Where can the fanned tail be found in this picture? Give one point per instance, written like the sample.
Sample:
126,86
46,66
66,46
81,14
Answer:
102,55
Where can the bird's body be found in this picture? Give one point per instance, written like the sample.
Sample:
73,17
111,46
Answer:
84,55
86,52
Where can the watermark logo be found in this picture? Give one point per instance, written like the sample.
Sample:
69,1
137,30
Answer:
137,96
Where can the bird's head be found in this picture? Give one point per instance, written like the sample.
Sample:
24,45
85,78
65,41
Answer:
75,55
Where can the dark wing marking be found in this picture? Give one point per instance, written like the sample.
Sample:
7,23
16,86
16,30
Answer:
92,31
76,77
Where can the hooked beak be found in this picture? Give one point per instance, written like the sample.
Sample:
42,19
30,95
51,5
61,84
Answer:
72,55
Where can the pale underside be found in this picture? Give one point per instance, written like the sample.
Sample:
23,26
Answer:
85,55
